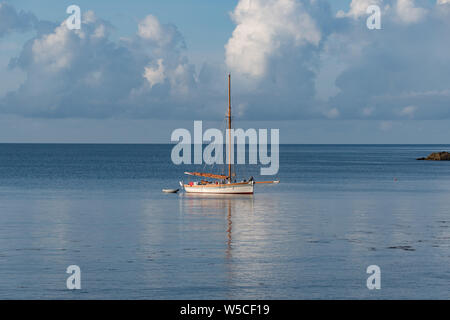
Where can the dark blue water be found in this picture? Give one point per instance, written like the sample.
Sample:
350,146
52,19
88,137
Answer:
337,210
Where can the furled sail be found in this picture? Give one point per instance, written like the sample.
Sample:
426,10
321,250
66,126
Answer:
207,175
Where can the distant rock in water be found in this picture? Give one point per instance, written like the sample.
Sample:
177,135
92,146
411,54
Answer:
437,156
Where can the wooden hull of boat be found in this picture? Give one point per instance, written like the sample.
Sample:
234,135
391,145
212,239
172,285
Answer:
231,188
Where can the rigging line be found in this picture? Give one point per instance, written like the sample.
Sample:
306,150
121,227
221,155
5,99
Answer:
224,124
214,166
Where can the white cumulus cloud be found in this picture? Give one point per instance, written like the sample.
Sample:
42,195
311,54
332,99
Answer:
84,73
408,12
54,50
263,26
151,29
155,75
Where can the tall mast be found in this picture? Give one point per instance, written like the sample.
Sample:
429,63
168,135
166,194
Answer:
229,127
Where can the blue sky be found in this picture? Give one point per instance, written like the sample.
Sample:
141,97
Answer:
139,69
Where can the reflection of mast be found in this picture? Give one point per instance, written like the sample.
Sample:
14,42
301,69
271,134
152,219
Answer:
233,206
229,230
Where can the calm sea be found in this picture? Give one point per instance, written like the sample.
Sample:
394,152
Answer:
337,210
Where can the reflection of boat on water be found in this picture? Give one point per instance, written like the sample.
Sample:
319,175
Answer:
224,184
213,204
237,231
194,203
223,204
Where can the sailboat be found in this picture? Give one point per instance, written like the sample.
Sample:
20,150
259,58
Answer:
222,184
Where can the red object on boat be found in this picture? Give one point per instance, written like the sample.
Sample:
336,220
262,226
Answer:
191,183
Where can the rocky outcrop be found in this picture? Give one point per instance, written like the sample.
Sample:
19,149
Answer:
437,156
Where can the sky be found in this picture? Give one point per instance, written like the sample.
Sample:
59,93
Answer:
136,70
